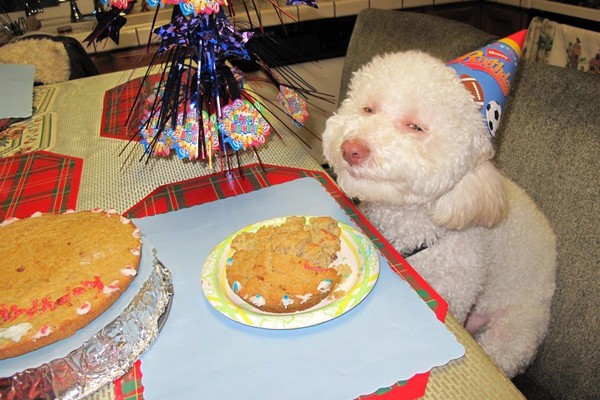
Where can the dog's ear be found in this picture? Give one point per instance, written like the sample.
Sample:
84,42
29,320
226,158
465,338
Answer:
478,199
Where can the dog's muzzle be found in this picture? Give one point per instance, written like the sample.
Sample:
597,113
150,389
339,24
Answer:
355,151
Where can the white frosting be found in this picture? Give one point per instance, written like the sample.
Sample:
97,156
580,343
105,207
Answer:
137,233
70,211
304,298
44,331
124,220
135,252
84,308
15,332
87,261
258,300
128,271
36,214
286,301
324,286
9,221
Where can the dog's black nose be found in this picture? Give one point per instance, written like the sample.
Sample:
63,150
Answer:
355,151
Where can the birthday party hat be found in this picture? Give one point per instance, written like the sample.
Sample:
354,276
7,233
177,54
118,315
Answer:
488,74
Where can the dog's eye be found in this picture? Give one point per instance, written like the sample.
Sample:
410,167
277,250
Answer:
368,110
416,128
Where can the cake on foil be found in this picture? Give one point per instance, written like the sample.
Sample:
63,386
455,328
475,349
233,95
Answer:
60,272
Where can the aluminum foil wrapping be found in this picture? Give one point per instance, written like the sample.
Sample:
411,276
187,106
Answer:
107,355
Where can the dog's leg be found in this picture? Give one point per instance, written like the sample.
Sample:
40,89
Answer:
475,322
512,336
451,267
519,285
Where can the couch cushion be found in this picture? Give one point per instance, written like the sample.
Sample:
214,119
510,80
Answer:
549,143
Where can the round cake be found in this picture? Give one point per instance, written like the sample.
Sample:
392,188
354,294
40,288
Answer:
59,272
286,268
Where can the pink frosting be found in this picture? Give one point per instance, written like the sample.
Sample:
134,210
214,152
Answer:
44,331
110,288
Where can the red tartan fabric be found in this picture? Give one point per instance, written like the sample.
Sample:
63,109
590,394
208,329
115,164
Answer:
129,386
118,103
406,390
38,181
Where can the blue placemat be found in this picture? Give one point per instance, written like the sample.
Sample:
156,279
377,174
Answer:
16,90
200,353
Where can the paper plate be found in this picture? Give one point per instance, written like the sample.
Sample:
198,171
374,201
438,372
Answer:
357,251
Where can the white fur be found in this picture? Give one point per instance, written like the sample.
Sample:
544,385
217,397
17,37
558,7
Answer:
492,253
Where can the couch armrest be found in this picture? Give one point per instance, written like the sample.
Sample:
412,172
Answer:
549,143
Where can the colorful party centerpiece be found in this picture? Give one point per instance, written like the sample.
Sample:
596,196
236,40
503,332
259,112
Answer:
200,107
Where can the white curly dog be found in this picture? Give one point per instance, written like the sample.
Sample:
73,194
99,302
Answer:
410,143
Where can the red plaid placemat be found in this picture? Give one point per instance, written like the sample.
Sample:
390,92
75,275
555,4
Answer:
217,186
38,181
118,102
129,386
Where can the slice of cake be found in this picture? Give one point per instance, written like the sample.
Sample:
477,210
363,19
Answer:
59,272
286,268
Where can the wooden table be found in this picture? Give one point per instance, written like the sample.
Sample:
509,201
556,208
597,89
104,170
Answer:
81,167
